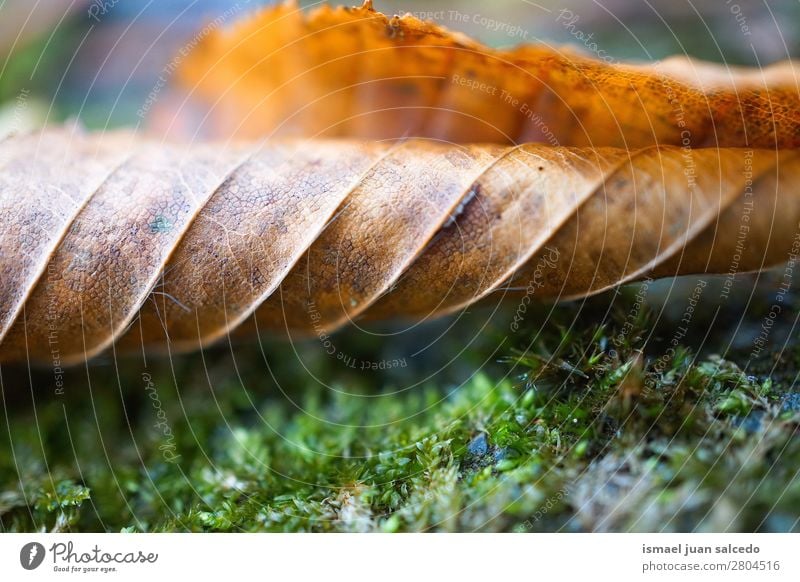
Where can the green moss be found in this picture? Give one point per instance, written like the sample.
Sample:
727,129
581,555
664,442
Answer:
587,423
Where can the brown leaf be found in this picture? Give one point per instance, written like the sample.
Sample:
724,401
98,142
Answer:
189,241
355,72
115,240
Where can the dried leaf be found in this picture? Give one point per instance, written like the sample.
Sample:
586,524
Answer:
116,240
355,72
189,241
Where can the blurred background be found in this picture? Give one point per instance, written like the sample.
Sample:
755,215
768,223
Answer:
97,60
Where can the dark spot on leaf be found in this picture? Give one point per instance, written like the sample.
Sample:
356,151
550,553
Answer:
160,224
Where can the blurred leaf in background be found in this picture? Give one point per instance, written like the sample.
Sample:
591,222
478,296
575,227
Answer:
100,60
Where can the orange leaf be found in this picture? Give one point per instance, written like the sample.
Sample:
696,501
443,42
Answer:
355,72
189,241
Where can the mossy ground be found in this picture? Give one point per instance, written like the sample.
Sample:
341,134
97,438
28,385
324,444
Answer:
588,418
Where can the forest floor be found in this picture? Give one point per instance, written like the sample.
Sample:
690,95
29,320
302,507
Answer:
616,414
